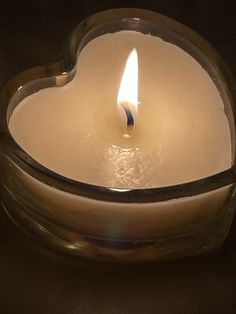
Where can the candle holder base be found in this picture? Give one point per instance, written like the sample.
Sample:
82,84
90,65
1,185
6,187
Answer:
206,240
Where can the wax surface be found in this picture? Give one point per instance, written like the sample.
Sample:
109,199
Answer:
182,133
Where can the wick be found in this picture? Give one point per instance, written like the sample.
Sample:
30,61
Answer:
130,118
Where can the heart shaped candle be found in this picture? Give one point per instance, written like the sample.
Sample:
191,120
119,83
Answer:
123,150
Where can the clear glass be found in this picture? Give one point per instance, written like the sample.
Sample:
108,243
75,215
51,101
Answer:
95,221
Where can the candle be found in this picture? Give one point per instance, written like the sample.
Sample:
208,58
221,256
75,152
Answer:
180,132
128,156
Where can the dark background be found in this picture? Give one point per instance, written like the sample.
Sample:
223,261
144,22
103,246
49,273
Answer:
34,280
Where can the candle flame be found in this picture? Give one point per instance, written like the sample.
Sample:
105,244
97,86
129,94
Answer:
128,91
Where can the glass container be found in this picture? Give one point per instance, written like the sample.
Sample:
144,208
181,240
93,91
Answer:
95,221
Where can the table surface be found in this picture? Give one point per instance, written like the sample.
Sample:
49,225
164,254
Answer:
36,280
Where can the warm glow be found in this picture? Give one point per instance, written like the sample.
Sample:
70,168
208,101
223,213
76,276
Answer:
128,91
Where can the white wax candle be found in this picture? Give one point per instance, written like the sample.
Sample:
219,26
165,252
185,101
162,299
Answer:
182,133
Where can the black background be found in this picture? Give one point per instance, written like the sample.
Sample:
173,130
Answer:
34,280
